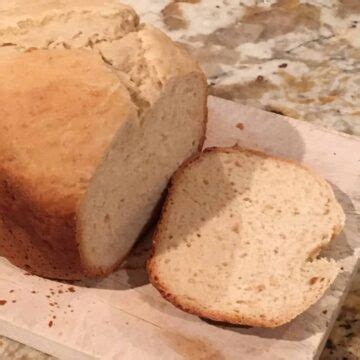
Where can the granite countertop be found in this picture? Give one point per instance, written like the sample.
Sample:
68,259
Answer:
299,58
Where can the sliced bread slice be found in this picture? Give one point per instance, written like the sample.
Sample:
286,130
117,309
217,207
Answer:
239,238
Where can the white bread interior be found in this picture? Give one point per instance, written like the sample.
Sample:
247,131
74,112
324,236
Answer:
239,237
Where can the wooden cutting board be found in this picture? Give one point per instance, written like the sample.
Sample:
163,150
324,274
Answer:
123,317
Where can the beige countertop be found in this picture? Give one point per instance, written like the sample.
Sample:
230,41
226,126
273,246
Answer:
297,58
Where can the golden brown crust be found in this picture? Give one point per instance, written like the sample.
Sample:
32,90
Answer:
44,176
39,6
231,318
36,241
40,199
206,112
34,255
49,24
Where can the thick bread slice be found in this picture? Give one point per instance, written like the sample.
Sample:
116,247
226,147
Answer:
239,237
89,137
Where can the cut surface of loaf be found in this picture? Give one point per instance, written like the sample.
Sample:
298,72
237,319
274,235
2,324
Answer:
239,237
96,113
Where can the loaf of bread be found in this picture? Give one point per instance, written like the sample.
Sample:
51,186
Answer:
240,235
96,113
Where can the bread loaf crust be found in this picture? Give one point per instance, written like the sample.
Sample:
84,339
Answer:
35,239
40,229
47,158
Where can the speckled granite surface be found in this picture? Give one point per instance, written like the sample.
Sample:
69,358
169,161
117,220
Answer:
297,58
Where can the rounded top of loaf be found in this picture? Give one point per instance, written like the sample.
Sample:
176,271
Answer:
141,58
52,24
27,7
59,112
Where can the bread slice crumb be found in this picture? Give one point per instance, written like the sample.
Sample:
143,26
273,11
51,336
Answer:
239,237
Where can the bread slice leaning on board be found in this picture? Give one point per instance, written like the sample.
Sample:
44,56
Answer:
96,113
239,238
